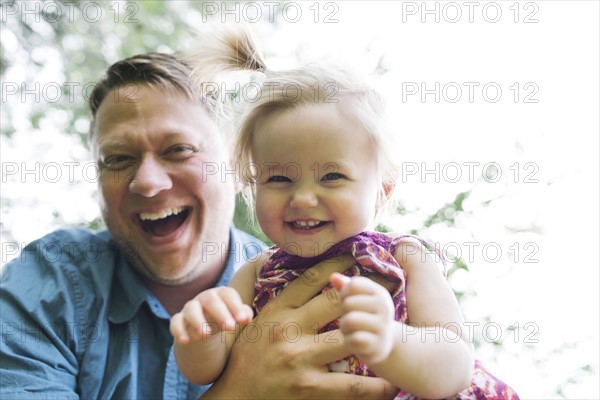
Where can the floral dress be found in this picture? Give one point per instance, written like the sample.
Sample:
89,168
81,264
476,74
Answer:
374,253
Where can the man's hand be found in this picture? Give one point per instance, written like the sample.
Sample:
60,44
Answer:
282,355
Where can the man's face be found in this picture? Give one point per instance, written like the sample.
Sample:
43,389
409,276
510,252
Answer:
164,195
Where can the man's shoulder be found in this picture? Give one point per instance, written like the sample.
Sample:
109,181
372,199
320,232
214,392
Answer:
52,294
73,257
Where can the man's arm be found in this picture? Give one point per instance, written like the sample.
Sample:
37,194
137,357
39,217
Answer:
293,355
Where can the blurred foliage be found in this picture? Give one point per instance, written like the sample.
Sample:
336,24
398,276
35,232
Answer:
448,211
88,36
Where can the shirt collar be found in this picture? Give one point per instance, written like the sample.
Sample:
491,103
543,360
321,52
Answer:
128,292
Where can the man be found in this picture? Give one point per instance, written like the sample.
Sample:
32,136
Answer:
92,320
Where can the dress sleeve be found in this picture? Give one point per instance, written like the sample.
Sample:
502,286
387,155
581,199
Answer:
39,328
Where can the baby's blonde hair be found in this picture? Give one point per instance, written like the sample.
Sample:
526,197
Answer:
289,89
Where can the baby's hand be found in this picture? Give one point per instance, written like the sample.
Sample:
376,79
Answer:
211,311
367,317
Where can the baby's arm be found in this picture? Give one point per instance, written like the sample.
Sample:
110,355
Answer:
206,327
427,358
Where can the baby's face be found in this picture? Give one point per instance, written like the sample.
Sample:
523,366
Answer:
317,180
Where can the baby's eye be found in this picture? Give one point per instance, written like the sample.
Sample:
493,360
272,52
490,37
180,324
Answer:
332,176
279,178
116,162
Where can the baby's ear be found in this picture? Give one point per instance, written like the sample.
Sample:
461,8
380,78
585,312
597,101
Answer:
388,189
384,195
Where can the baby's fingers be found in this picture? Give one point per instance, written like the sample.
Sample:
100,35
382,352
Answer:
361,285
177,328
338,281
366,345
239,311
224,307
194,320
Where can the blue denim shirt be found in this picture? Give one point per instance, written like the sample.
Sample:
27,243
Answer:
78,323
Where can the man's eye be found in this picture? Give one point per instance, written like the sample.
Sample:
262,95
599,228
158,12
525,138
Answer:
279,178
116,162
182,151
332,176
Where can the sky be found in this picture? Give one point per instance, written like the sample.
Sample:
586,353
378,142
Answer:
501,98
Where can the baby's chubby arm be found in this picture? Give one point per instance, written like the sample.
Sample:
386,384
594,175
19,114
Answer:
427,358
367,317
207,326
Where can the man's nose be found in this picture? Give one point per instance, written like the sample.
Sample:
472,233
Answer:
151,178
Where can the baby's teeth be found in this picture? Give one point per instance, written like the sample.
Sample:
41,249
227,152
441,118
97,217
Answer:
307,223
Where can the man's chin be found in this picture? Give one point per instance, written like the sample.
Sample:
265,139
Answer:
152,268
157,275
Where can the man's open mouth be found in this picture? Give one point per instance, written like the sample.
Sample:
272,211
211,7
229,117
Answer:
164,222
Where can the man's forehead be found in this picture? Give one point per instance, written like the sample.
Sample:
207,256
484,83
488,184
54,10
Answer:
123,105
135,92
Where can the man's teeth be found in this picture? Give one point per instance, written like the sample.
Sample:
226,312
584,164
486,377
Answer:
161,214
